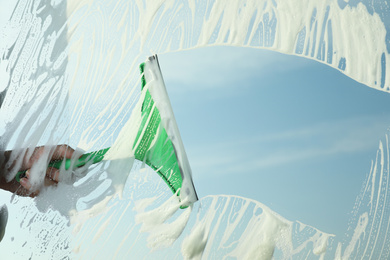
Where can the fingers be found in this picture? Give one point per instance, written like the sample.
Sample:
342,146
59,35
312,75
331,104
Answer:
58,152
52,177
53,174
25,182
62,151
31,157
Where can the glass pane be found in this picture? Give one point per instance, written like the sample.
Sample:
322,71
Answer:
282,108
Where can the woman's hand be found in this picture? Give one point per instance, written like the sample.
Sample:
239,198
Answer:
25,187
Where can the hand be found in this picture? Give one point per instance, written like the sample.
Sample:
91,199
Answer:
26,187
52,174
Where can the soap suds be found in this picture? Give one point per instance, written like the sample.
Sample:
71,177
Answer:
76,81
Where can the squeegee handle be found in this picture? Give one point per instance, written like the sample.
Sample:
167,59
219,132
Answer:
88,158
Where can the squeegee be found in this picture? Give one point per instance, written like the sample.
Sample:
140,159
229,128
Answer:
157,142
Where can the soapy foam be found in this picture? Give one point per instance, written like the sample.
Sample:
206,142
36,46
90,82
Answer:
89,103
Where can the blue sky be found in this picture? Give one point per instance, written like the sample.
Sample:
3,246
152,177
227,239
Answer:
286,131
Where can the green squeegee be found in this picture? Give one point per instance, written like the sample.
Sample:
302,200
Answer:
157,143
